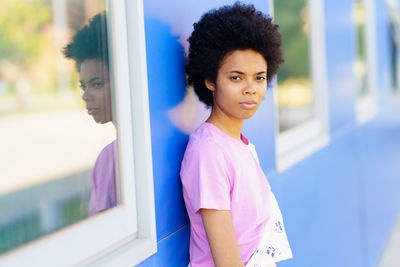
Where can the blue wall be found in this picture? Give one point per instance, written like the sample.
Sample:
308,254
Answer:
341,202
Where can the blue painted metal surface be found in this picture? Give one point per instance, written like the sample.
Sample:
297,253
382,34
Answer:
172,251
341,53
379,144
340,203
166,83
319,199
167,26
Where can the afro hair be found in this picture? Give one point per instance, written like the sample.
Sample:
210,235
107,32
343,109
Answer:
220,32
90,42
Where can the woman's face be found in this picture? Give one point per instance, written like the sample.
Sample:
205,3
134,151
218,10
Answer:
241,84
95,83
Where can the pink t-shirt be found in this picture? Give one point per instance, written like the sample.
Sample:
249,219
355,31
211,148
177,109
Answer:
222,173
104,193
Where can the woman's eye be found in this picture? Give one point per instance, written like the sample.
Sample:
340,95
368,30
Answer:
260,78
235,78
82,86
98,84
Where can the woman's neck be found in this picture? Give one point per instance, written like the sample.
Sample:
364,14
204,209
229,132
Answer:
228,125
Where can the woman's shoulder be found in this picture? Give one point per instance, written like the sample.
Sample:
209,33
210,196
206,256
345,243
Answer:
204,151
108,152
204,140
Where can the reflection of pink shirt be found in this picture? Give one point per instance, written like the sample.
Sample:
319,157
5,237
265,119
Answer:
104,195
222,173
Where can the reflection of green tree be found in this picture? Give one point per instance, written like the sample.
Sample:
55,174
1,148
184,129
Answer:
292,17
20,23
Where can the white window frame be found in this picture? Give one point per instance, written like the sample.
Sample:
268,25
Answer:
124,235
367,105
301,141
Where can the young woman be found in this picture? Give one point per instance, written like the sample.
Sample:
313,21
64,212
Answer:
235,221
89,49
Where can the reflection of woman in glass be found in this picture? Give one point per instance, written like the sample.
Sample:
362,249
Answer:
235,221
90,51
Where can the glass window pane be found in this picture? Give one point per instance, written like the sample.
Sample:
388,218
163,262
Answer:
359,15
394,60
394,45
57,137
294,89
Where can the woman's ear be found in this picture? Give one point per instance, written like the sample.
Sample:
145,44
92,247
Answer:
210,85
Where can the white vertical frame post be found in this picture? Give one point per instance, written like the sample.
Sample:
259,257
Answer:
319,72
145,243
141,118
119,68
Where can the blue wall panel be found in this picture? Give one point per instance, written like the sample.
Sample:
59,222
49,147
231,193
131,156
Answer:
172,251
379,155
320,202
166,83
340,36
341,203
379,143
167,26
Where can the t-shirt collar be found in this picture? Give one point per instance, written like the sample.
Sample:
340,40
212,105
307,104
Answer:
244,140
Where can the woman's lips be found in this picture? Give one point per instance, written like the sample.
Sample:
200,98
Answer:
248,104
92,111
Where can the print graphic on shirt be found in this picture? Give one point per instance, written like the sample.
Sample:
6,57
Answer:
274,246
278,227
272,251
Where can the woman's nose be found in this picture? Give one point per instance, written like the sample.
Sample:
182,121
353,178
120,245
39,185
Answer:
86,94
250,89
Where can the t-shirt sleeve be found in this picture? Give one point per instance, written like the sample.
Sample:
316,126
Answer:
205,177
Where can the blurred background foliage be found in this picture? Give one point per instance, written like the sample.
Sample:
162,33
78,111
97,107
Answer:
34,76
21,26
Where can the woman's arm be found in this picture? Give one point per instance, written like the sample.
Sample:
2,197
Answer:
221,237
